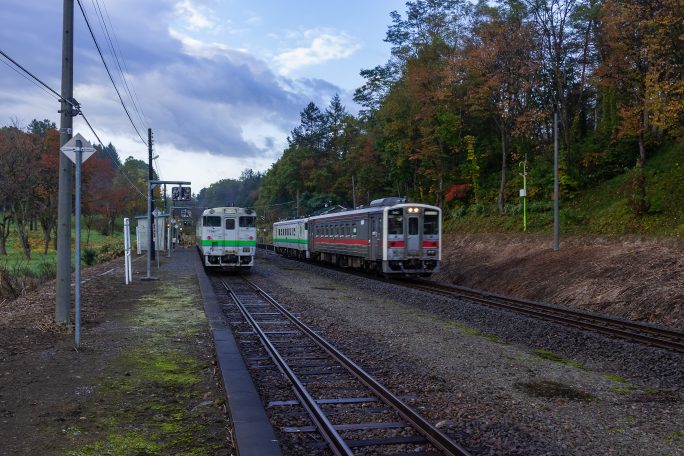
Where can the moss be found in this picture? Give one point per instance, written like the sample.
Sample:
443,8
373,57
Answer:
614,378
550,356
677,435
145,394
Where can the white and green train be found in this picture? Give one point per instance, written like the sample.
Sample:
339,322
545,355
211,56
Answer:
226,238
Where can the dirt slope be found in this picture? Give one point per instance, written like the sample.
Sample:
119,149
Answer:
636,278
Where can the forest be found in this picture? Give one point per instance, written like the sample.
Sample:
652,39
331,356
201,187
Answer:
463,108
29,180
467,100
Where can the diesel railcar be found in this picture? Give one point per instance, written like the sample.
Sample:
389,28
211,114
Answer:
226,238
291,238
390,236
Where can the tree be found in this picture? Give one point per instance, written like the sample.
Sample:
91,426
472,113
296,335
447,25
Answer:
644,63
18,166
46,188
500,57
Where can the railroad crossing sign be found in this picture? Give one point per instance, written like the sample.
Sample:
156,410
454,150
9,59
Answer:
74,144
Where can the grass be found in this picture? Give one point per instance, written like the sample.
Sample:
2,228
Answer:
43,265
601,209
550,356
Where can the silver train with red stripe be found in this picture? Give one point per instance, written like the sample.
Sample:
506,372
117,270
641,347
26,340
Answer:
390,236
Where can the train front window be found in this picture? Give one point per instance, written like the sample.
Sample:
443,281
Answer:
431,222
211,220
247,222
395,221
230,224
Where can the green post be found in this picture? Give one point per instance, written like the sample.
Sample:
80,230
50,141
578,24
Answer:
523,192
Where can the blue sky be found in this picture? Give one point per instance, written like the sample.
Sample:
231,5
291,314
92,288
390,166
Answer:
220,82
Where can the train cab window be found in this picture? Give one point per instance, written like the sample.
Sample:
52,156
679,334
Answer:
353,230
431,222
306,226
211,220
395,221
247,222
230,224
413,226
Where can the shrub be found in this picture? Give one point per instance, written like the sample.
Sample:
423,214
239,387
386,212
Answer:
88,256
111,249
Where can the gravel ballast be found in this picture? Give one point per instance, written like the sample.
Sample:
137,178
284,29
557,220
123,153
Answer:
497,382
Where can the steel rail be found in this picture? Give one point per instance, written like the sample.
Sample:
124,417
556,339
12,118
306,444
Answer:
667,338
434,435
335,441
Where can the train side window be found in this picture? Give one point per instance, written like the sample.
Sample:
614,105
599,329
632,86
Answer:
353,230
306,226
230,224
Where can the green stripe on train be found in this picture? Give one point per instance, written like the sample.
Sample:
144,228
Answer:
226,243
292,241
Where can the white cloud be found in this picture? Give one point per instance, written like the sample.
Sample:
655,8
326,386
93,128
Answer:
193,15
323,46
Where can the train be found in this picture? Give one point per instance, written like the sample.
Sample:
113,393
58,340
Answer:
390,236
226,238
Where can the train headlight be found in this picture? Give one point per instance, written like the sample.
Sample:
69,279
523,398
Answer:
432,252
246,250
413,210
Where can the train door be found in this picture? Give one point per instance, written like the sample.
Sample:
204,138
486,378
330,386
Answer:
230,233
413,235
375,236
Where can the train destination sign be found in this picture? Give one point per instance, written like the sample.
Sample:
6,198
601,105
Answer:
71,147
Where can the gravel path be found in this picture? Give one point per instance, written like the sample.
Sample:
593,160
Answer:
497,382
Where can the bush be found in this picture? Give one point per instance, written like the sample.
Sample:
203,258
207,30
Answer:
88,256
47,270
111,249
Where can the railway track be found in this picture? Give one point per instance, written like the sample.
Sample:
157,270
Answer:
667,338
350,410
656,336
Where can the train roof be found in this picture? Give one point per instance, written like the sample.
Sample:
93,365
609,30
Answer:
359,211
228,210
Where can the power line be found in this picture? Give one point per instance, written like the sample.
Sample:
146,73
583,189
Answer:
36,79
49,90
112,156
99,51
103,23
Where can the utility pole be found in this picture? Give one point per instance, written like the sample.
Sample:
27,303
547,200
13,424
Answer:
556,218
63,302
150,238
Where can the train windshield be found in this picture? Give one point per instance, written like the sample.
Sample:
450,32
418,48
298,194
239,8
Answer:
211,220
395,221
247,222
431,222
230,224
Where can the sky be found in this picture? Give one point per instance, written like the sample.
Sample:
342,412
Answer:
220,82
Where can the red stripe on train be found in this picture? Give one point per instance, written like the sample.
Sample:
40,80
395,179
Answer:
363,242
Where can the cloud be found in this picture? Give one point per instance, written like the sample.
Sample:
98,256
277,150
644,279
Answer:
202,98
193,16
322,47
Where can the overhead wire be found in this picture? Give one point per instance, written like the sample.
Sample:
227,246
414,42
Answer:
103,23
109,73
50,91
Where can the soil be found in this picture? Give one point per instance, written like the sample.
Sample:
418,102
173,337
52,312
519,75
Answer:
144,379
634,278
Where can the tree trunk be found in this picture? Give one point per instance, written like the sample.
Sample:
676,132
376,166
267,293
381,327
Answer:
502,185
23,238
